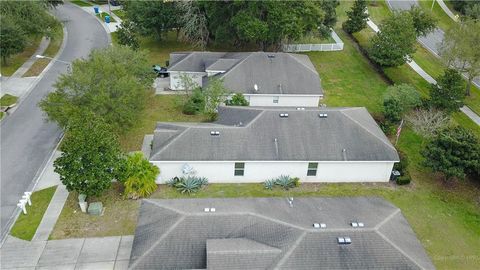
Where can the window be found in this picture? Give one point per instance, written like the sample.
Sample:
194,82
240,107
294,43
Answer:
239,169
275,99
312,169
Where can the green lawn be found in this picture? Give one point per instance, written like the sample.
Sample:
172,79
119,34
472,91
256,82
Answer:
158,108
443,20
81,3
120,13
52,49
7,100
17,60
26,225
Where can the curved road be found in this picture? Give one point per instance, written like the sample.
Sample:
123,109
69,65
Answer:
27,140
432,40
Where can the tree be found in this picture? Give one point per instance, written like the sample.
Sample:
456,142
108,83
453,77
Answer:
398,100
90,155
357,17
427,122
459,49
195,103
237,99
395,42
127,36
215,94
112,83
152,17
139,176
455,152
448,94
473,11
13,39
392,110
423,22
193,23
31,16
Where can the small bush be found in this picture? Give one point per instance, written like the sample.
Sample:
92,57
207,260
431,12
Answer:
402,165
137,187
190,184
268,184
404,180
195,103
237,100
138,175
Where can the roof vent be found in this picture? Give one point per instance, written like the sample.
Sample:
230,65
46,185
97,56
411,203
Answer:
344,240
322,115
284,115
319,225
300,109
271,56
215,133
357,224
255,87
209,209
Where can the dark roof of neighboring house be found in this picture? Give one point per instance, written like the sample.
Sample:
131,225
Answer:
266,233
273,73
249,134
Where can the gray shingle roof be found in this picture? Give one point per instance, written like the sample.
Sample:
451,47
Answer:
178,234
248,134
273,73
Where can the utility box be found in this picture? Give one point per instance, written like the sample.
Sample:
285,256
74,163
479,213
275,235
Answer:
95,208
394,176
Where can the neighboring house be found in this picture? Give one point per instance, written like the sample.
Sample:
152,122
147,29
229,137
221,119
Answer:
269,233
265,79
249,144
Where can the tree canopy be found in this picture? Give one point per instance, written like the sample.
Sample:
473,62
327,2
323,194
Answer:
455,152
357,17
448,94
90,155
112,83
460,49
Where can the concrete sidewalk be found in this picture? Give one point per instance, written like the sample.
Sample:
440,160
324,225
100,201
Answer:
110,27
78,253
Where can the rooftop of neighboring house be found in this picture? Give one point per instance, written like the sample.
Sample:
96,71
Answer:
269,233
272,73
270,134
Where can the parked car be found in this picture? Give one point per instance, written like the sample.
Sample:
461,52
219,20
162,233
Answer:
115,3
161,71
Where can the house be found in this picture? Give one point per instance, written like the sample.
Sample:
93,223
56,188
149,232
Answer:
274,233
253,144
265,79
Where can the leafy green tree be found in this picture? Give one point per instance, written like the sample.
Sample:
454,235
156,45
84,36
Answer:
152,17
395,43
448,94
13,39
357,17
455,152
139,176
398,100
392,110
473,11
90,155
215,94
237,99
112,83
423,22
127,36
31,16
195,103
459,49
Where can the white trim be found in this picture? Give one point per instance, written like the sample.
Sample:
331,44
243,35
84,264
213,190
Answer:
281,95
274,161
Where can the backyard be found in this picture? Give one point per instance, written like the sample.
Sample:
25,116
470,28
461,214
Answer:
444,216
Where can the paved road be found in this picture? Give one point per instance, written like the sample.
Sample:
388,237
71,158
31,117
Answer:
27,141
431,41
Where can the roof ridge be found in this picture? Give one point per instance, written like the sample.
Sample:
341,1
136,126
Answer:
155,202
255,118
360,125
387,219
183,59
399,249
291,250
296,59
236,65
159,240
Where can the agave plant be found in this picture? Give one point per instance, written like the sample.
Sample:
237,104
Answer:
191,184
172,182
285,181
268,184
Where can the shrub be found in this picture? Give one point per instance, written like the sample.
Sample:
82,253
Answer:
403,164
392,110
404,180
268,184
189,184
237,100
195,103
427,122
139,175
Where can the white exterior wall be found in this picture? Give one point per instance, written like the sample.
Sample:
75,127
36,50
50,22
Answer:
283,100
256,172
176,82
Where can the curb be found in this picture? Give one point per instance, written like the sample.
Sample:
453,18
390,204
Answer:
109,36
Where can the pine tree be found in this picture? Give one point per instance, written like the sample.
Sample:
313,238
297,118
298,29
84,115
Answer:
357,17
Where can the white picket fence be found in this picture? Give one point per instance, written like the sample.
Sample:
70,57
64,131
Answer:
321,47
